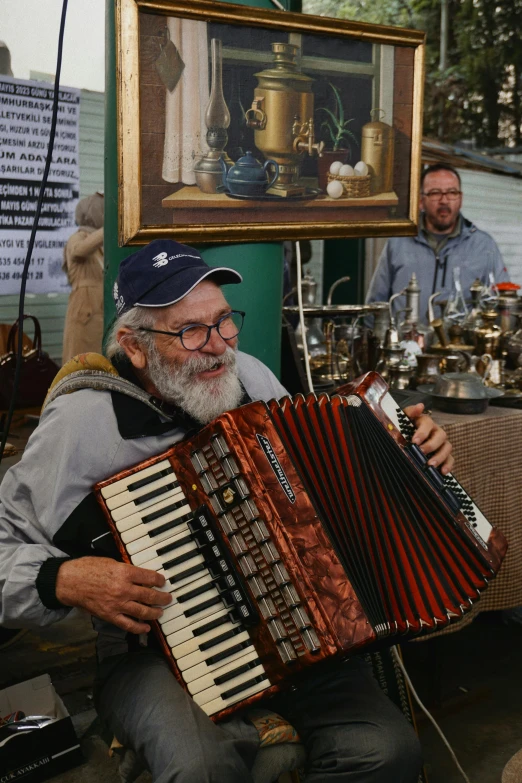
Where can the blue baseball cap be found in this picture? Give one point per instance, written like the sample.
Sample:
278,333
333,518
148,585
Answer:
162,273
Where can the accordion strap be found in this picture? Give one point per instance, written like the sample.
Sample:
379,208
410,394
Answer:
99,374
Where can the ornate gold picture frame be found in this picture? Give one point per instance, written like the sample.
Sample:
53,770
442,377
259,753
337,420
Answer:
234,123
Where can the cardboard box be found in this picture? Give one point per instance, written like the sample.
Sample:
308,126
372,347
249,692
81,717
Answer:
32,756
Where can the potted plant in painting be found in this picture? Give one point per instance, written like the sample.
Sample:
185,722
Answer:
338,137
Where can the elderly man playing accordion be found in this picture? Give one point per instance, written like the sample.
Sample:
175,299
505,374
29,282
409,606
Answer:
176,340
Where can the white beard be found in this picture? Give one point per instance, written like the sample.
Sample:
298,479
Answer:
203,399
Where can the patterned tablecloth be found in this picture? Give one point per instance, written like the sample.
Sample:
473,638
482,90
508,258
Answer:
488,463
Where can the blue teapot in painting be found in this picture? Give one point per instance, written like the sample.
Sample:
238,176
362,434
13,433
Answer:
247,177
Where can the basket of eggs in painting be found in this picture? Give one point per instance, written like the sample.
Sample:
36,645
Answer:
345,181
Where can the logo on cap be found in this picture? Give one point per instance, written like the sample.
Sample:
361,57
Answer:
119,300
161,259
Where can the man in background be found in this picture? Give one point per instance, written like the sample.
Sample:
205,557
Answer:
445,240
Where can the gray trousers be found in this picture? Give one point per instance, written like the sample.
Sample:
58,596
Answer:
351,731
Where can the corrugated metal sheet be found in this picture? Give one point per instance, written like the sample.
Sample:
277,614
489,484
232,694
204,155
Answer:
92,118
494,203
434,151
50,308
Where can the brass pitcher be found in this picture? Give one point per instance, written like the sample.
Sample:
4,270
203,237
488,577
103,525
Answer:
377,149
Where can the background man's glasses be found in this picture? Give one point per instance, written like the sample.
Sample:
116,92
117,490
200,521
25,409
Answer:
436,195
196,336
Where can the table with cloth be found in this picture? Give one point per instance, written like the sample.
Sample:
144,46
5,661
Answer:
487,449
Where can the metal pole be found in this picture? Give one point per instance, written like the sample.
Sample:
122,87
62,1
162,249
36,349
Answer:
443,35
443,62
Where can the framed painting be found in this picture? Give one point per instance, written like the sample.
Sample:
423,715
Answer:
241,124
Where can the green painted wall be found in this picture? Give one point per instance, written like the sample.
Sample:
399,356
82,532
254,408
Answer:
344,257
261,264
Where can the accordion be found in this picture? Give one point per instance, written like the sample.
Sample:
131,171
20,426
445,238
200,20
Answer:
294,532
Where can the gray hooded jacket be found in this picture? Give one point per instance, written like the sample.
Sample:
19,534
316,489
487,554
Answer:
473,250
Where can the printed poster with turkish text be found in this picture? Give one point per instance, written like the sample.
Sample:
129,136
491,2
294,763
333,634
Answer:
25,122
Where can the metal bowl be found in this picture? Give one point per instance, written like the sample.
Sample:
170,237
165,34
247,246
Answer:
460,385
457,392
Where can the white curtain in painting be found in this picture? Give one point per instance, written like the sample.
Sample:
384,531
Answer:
185,127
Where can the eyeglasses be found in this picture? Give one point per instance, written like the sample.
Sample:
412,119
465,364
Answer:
196,336
436,195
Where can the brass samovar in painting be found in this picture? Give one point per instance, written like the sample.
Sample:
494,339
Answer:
282,116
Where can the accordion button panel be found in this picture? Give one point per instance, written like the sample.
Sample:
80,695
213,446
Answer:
471,511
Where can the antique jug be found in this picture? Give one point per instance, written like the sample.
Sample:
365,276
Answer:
488,335
399,375
427,368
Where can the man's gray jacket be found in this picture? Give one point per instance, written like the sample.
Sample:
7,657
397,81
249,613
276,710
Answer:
47,510
473,250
